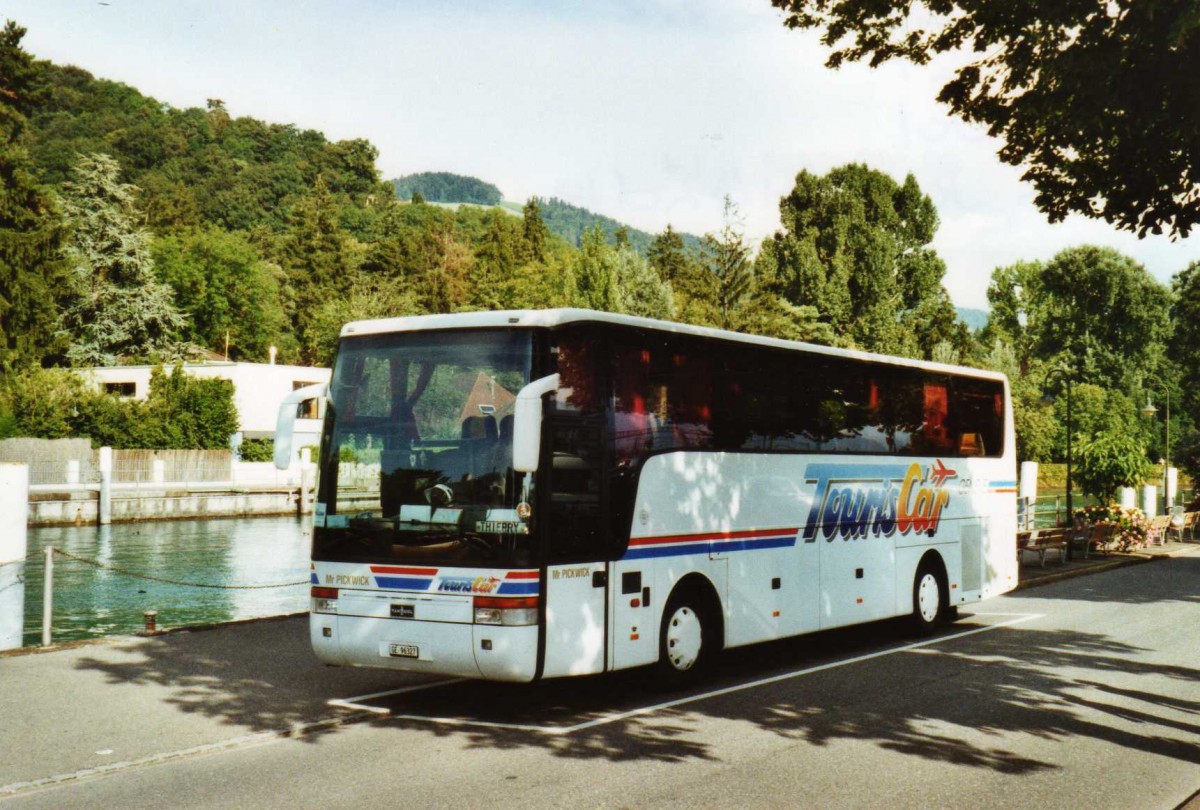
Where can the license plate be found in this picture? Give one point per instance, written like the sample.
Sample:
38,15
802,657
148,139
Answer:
404,651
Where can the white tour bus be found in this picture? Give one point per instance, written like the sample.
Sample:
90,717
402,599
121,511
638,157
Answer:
533,494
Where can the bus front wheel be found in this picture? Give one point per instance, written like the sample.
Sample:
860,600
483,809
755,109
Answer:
686,641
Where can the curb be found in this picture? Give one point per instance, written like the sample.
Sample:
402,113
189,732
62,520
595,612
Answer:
1123,561
73,644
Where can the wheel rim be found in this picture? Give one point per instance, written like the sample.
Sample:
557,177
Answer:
684,639
929,598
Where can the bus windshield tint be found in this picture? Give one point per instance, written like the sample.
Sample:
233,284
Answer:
417,450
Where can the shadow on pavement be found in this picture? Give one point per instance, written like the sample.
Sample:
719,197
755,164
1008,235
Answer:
962,702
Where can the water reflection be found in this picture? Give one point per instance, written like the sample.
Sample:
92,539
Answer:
91,602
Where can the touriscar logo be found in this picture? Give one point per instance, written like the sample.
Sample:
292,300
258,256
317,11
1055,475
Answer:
856,501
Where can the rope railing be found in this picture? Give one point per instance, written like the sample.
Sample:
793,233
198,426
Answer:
24,559
166,581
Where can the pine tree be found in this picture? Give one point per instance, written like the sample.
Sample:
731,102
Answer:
595,272
32,271
495,261
118,309
639,289
729,262
667,255
535,232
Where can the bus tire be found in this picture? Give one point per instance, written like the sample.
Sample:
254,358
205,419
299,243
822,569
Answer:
687,639
929,599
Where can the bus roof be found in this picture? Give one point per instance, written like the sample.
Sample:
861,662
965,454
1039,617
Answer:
524,318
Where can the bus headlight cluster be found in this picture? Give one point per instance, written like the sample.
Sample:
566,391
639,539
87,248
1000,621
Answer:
324,600
506,612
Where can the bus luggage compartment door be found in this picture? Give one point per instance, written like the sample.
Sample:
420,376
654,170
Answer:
575,631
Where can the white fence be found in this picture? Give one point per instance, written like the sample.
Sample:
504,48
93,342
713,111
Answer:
74,463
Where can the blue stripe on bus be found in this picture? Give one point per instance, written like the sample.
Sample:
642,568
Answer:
519,588
404,583
312,578
716,546
995,484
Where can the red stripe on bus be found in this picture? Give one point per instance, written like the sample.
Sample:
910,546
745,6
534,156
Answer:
700,538
417,572
522,575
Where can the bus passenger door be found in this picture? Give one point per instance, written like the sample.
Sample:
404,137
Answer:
577,549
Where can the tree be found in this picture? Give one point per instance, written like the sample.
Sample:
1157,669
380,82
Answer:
1097,101
185,412
1102,313
369,296
595,272
1108,462
534,230
226,291
667,255
320,257
639,289
32,271
728,259
118,308
855,245
1184,345
44,402
496,258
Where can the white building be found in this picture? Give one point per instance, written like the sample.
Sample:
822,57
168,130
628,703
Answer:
258,388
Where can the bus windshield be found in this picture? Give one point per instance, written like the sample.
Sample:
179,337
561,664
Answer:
416,455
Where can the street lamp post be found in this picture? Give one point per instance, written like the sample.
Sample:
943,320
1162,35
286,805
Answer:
1150,410
1062,373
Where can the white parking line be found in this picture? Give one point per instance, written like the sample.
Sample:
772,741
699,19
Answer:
1019,618
354,702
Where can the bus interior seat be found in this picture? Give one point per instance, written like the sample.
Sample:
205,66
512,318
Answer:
473,457
971,444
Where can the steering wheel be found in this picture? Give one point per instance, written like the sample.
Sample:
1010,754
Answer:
479,543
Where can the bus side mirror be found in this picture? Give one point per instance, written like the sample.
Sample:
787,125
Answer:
285,423
527,423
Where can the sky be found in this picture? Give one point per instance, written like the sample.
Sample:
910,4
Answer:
647,111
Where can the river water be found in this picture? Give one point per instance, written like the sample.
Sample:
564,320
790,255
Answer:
90,602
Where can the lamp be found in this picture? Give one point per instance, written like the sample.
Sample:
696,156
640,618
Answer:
1062,373
1150,410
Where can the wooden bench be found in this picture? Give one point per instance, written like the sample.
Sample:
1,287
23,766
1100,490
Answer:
1157,533
1043,540
1190,521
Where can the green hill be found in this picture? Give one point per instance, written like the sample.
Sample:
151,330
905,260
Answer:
570,222
562,218
444,187
975,319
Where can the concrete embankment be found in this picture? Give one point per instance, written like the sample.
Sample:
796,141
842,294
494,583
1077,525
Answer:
57,506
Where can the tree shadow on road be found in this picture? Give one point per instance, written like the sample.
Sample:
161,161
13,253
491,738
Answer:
968,701
253,677
974,701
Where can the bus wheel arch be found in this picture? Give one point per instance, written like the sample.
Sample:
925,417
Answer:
931,594
692,631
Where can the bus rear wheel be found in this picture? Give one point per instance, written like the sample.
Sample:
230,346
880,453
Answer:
929,601
686,641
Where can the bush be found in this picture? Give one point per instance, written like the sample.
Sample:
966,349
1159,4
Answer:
1132,524
257,449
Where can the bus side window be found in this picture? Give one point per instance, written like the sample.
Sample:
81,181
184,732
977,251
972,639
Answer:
632,425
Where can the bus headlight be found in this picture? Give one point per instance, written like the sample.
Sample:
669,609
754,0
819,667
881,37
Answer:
506,612
324,600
